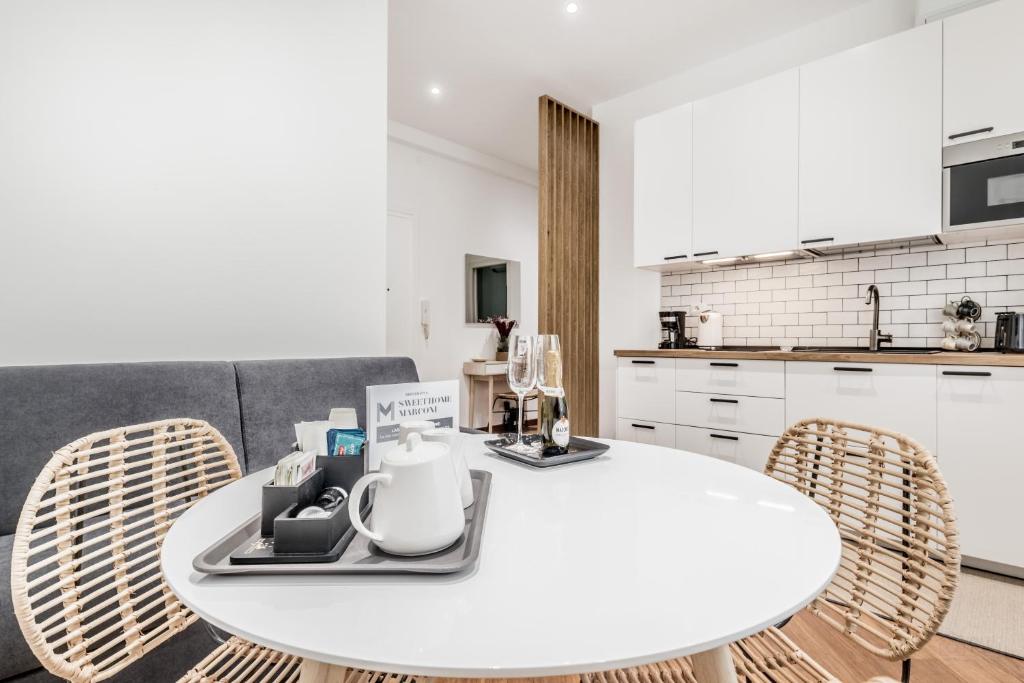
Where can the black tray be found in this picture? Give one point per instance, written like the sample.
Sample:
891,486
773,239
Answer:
579,449
357,554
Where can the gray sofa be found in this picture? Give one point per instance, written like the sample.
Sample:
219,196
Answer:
253,403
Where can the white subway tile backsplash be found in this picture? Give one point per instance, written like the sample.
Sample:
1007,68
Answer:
909,260
928,273
820,301
920,287
1013,267
946,286
875,263
843,266
892,275
936,258
858,277
993,253
987,284
966,269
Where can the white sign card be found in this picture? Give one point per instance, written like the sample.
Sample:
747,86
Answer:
389,405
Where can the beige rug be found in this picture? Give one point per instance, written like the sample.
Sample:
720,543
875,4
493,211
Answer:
988,610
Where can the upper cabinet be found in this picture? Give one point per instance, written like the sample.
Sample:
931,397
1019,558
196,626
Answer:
663,188
983,52
870,131
745,169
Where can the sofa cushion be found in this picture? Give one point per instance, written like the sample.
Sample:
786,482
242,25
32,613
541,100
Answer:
46,407
275,394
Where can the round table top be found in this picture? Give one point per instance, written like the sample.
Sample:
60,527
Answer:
644,554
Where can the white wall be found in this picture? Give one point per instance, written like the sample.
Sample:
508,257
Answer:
461,201
630,297
191,179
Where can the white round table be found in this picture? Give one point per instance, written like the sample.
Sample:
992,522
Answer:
642,555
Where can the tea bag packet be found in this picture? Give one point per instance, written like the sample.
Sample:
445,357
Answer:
293,468
343,418
312,436
345,441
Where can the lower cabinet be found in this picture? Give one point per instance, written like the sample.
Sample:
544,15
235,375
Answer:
898,397
982,459
749,414
748,450
640,431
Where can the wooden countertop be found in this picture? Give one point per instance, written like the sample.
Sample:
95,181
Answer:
989,358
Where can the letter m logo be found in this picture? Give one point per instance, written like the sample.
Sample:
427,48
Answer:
387,411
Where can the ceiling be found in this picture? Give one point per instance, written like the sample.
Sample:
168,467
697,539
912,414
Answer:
492,59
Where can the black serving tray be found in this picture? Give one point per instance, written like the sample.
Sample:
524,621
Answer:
579,449
355,553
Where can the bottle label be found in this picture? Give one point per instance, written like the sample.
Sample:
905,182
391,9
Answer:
560,432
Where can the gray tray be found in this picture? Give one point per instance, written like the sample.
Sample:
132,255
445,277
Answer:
579,449
361,556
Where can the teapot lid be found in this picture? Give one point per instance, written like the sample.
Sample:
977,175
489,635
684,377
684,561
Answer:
415,450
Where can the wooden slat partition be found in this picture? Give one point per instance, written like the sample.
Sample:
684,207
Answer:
568,263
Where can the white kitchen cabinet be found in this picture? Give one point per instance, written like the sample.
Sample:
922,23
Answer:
751,414
897,397
646,389
748,450
724,376
641,431
982,55
745,158
870,152
663,188
980,455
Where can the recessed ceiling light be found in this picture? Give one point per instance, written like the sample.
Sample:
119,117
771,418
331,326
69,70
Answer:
572,8
435,90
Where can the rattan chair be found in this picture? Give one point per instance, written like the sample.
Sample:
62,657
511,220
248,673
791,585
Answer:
85,570
900,555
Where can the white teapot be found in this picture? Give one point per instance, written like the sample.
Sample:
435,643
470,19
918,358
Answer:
417,507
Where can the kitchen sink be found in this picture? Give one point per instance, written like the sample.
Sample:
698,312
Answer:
855,349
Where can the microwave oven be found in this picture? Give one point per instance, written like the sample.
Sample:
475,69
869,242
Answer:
983,184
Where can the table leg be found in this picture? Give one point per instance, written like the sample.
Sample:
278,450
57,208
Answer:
490,401
714,666
472,402
318,672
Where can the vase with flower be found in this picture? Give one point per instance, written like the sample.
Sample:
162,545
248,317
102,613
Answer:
504,327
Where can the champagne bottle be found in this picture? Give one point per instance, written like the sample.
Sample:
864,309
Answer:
554,411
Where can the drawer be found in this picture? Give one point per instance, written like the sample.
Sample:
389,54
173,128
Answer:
742,377
646,389
751,414
897,397
748,450
639,431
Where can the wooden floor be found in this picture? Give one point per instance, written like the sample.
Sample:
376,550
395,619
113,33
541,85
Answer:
941,661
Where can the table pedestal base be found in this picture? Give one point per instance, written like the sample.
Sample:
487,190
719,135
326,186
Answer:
715,666
712,666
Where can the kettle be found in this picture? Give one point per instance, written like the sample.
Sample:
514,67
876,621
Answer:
709,328
417,506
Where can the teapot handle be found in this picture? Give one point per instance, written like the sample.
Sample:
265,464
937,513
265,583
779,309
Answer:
356,495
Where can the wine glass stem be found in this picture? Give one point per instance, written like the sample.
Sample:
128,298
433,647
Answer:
520,423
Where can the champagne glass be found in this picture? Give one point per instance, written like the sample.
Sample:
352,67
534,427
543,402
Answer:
522,377
549,364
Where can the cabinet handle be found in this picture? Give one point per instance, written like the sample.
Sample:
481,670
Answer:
723,400
960,373
841,369
643,426
673,258
817,240
642,362
977,131
724,436
706,253
724,365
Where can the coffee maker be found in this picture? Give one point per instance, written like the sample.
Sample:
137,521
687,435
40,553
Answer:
673,327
